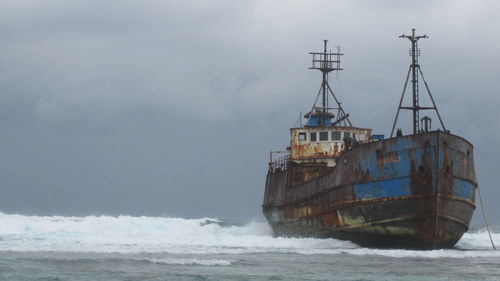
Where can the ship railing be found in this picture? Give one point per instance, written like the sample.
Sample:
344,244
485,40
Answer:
279,163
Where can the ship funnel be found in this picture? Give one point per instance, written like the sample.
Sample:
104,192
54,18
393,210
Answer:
426,123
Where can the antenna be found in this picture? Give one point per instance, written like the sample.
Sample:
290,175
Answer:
415,70
338,48
327,62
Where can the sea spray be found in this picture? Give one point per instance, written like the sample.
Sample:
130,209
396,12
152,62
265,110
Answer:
204,236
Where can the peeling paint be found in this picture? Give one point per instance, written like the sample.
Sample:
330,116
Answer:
412,191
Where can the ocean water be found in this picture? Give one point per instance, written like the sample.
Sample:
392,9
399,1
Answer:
160,248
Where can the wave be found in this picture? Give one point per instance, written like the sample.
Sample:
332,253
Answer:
128,234
181,261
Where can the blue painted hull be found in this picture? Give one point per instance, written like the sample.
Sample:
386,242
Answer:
415,191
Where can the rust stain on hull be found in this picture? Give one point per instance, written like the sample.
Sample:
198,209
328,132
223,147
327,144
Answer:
415,191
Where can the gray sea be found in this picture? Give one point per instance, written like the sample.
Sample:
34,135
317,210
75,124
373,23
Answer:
161,248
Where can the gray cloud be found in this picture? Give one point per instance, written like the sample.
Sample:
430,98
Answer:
170,107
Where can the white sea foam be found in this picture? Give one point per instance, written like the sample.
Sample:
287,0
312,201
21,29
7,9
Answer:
181,261
126,234
478,240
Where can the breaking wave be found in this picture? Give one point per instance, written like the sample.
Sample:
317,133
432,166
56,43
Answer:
127,234
183,261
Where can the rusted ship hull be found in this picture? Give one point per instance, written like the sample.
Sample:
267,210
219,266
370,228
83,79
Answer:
415,191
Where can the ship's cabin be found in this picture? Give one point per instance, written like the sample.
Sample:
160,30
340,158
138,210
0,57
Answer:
324,143
316,146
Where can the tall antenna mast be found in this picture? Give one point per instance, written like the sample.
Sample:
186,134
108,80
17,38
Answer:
415,71
327,62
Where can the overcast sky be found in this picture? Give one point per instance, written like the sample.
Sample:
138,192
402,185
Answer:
170,107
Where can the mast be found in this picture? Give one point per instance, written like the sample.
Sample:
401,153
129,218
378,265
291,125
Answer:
325,72
415,71
415,53
327,62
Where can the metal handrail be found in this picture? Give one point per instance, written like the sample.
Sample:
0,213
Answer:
279,164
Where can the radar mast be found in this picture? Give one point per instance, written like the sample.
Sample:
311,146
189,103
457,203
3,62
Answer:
415,71
326,62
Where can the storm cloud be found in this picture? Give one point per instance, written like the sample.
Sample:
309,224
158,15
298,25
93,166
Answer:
171,107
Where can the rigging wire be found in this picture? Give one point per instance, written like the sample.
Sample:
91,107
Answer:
485,220
299,121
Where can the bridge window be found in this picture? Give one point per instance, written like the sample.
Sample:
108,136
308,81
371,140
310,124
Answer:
313,136
335,135
347,134
302,136
323,136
